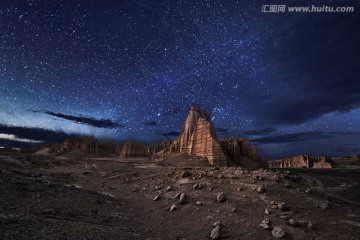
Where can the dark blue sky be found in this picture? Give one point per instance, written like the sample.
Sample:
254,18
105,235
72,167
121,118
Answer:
122,70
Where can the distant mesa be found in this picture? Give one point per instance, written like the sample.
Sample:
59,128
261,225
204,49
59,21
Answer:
89,145
302,161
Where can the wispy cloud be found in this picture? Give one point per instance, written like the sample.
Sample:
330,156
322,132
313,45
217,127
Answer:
293,137
171,134
13,137
262,131
100,123
151,123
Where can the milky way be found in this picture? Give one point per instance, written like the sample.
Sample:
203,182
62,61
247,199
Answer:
122,70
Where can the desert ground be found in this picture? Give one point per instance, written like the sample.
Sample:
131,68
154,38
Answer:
78,196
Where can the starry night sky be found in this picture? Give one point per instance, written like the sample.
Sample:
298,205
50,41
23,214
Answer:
122,70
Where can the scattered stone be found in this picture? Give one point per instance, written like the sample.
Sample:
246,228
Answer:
221,197
309,190
198,203
239,189
157,197
244,196
198,186
310,225
217,223
267,211
323,205
265,226
234,210
157,187
266,221
182,199
273,203
278,232
216,232
168,188
294,223
177,195
284,217
260,189
281,206
172,208
186,173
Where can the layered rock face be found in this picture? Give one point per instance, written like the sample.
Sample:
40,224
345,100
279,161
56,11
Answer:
84,144
302,161
157,147
108,148
242,153
198,138
134,149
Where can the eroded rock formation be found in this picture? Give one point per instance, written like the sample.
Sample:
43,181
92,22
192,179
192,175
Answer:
157,147
108,148
84,144
302,161
134,149
198,138
242,153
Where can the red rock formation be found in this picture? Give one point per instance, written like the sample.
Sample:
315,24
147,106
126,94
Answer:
108,148
320,162
302,161
134,149
198,138
84,144
242,153
157,147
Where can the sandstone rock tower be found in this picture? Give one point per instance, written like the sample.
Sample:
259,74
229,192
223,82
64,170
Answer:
198,137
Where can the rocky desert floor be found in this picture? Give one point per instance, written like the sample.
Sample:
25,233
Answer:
179,197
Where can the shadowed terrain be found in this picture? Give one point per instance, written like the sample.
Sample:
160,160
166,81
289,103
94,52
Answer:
47,197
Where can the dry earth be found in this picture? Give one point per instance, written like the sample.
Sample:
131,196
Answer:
81,197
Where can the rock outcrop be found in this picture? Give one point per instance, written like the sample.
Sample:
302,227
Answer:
198,137
108,148
134,149
157,147
242,153
302,161
84,144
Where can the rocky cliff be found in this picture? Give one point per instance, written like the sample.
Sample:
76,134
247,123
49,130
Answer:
157,147
302,161
108,148
198,137
84,145
242,153
134,149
